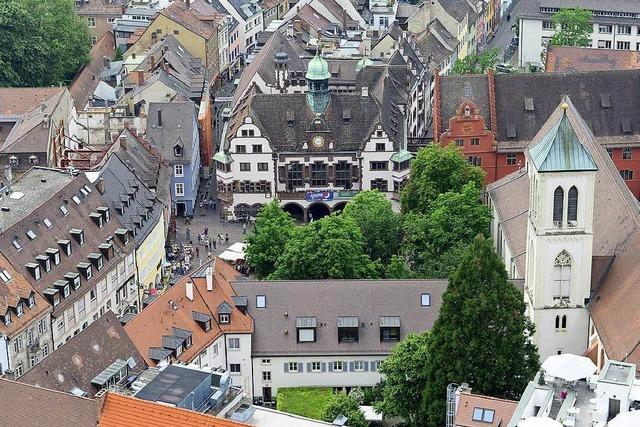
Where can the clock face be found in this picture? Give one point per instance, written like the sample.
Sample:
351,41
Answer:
318,141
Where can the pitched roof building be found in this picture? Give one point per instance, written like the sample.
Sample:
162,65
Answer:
98,357
59,233
475,410
571,59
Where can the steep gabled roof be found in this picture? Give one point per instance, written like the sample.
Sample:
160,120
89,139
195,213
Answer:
85,82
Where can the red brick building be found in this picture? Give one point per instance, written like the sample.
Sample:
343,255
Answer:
492,118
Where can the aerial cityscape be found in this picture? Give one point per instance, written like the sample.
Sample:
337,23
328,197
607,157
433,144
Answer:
307,213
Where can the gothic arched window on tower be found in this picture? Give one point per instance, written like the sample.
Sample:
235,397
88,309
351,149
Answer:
564,321
562,276
558,205
557,322
572,205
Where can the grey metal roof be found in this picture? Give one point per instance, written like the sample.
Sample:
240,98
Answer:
172,342
172,385
158,353
348,322
239,301
200,317
560,150
329,300
104,376
224,308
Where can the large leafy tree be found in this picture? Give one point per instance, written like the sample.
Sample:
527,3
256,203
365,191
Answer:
346,405
481,336
476,63
436,170
43,42
330,248
266,243
404,379
573,27
379,224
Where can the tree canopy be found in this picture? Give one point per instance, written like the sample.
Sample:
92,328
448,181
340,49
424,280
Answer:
481,336
436,170
475,63
330,248
267,240
43,42
379,224
405,378
573,27
346,405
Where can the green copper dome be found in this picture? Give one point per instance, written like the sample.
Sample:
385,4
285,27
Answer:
318,69
364,62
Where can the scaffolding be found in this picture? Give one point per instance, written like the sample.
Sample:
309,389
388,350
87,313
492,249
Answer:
451,404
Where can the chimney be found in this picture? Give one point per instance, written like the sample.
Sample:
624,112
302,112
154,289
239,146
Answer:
100,185
140,77
153,62
154,37
297,26
290,30
159,117
365,91
209,278
106,61
189,290
123,140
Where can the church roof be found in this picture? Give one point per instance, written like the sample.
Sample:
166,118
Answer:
559,150
318,69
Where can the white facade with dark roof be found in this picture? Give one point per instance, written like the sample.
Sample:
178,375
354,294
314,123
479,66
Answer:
331,333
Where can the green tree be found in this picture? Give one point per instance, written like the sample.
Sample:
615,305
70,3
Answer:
266,243
436,170
348,406
573,27
476,63
398,269
379,224
118,56
43,42
330,248
482,335
404,372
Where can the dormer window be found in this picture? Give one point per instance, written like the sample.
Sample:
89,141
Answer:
64,210
31,301
78,235
204,320
34,269
348,329
44,261
107,250
123,235
53,295
96,260
65,245
306,329
178,150
86,188
389,328
84,192
7,318
73,279
20,309
106,215
13,161
96,218
5,276
30,234
224,319
54,255
85,269
16,244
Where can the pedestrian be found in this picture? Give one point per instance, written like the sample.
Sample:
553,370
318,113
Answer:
226,237
188,233
215,205
214,244
209,255
206,231
199,238
197,251
220,237
244,228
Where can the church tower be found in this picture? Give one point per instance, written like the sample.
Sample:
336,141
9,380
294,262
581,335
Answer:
560,235
318,83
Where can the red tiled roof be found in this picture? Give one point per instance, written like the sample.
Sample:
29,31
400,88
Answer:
126,411
18,101
159,318
85,82
503,408
571,59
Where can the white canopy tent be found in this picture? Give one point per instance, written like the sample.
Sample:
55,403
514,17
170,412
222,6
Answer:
234,252
569,367
539,422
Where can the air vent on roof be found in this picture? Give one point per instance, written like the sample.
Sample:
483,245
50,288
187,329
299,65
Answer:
605,100
528,104
511,130
626,125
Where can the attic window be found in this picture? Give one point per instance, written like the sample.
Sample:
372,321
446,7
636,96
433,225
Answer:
85,269
106,249
66,246
54,255
306,329
528,104
76,200
97,218
605,100
73,279
78,235
64,210
96,260
5,276
290,117
47,222
30,234
511,130
123,235
34,269
53,295
44,261
626,125
13,161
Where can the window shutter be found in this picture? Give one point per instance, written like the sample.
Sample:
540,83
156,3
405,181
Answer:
300,366
286,367
308,366
351,367
323,366
366,366
330,366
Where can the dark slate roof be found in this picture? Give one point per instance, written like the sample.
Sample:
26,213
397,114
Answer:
172,385
457,89
245,8
588,91
458,9
85,356
119,179
178,126
272,110
26,405
326,301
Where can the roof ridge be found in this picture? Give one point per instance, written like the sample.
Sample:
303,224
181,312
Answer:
46,389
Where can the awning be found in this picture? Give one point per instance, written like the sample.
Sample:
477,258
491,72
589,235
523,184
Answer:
401,156
230,256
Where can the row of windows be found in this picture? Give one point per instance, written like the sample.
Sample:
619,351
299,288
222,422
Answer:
335,366
558,206
472,141
246,167
627,153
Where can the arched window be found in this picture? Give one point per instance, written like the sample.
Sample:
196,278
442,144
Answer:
562,276
564,322
572,204
557,322
558,204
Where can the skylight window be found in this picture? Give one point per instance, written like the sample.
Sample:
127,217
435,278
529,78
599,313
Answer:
87,188
76,200
64,210
31,235
5,276
47,222
483,415
16,244
84,192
